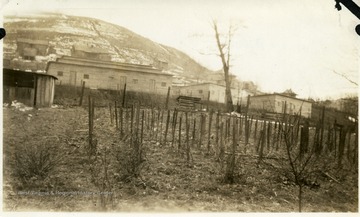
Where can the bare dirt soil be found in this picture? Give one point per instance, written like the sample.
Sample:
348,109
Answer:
166,181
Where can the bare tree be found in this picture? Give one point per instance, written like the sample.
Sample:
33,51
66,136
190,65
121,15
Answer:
225,59
346,77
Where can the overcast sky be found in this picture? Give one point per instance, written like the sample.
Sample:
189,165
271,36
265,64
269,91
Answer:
278,44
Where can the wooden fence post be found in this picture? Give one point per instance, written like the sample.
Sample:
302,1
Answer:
255,130
167,126
82,93
142,126
111,114
116,116
187,138
90,122
221,152
246,121
137,122
304,138
121,121
341,145
167,99
179,144
268,135
174,127
209,131
131,125
194,133
262,142
217,128
124,96
161,125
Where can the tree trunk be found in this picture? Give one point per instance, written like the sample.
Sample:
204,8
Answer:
228,98
300,197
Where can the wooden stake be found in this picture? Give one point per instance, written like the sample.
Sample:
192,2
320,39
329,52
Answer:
167,125
111,114
194,133
116,116
142,126
174,127
179,144
124,96
187,138
167,99
217,128
131,125
82,93
121,121
209,130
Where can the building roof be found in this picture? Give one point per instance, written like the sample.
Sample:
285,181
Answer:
32,41
90,49
79,59
203,84
280,94
110,66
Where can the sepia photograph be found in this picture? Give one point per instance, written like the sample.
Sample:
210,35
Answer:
180,107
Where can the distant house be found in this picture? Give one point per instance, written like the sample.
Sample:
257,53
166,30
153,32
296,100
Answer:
29,48
109,75
216,91
275,103
90,52
32,89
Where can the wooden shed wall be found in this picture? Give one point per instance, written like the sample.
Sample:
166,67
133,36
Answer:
29,88
45,91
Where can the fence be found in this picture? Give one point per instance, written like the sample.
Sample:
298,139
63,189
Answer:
216,132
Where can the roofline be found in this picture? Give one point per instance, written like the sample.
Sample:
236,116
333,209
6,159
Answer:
129,70
200,84
104,62
34,73
279,94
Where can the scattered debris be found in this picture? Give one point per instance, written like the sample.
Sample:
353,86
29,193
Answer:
20,106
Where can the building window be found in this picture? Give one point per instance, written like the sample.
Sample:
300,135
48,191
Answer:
200,91
86,76
135,81
163,84
60,73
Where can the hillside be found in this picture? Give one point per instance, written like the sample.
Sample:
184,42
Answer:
122,44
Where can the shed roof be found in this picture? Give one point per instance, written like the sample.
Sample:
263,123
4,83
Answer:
7,70
32,41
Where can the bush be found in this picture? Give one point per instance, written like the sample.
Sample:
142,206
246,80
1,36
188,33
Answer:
35,162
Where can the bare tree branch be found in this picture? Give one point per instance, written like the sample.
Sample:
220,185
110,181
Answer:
344,76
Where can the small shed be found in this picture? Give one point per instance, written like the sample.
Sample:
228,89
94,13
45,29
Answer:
30,88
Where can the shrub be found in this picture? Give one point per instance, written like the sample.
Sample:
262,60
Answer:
35,162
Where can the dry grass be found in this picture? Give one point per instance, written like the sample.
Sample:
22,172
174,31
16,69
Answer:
166,182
